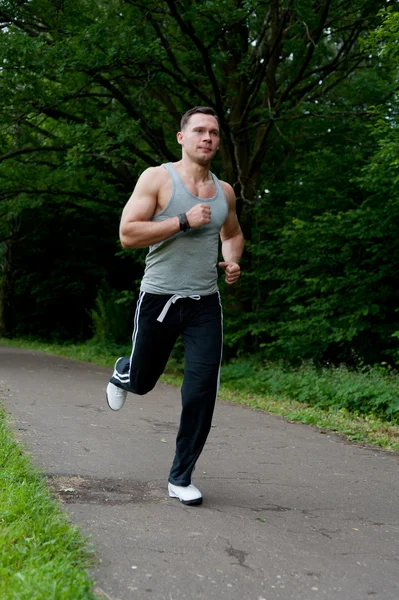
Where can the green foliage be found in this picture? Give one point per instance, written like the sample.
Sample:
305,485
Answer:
92,94
371,392
333,289
112,317
42,556
58,265
323,280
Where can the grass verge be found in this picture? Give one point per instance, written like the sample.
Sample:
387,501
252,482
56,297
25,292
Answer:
43,557
240,385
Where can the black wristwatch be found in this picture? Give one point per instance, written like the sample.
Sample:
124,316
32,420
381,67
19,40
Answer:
184,224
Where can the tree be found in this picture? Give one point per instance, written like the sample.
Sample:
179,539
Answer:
332,265
116,76
96,91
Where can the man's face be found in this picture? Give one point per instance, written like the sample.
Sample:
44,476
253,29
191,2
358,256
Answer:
200,138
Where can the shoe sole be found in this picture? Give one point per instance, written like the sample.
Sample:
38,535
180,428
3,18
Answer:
194,502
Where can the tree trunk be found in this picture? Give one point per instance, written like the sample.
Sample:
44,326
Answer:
6,293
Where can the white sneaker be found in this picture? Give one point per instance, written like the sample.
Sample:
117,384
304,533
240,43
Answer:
115,396
187,494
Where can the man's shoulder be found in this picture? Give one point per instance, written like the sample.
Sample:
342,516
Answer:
228,190
154,176
158,171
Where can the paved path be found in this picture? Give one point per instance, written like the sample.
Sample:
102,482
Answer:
288,513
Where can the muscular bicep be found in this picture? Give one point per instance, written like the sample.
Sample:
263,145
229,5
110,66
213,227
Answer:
143,201
137,230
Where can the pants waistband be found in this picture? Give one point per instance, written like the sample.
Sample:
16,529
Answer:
171,301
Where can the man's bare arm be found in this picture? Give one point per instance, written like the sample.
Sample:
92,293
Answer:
136,229
232,239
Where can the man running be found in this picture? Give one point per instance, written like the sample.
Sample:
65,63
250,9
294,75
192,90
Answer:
180,210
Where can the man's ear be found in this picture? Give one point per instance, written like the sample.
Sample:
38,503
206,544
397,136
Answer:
179,138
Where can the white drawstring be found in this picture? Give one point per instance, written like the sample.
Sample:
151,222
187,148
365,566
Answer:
171,301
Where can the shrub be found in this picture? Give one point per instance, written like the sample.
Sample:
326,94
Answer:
374,391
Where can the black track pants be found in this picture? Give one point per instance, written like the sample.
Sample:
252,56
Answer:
199,322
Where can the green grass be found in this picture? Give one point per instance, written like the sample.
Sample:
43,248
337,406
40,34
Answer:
371,391
43,557
326,398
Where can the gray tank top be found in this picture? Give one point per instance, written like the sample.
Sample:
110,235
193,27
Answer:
186,263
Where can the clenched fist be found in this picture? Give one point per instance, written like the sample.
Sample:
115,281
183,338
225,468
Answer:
232,271
199,215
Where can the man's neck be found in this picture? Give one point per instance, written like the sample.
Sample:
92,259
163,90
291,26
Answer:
193,171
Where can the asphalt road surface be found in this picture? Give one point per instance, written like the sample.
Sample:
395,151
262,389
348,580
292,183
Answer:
289,513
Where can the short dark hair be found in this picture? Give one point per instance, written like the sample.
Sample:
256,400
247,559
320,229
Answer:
205,110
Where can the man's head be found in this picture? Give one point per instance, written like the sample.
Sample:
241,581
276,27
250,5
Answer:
202,110
199,134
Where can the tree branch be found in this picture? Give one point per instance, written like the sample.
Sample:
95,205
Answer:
31,149
153,137
301,71
306,115
39,129
54,192
187,28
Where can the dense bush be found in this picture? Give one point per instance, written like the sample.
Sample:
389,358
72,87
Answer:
374,391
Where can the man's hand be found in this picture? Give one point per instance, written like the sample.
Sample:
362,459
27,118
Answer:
232,271
199,215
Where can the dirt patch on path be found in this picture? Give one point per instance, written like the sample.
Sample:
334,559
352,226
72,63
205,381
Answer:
72,489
